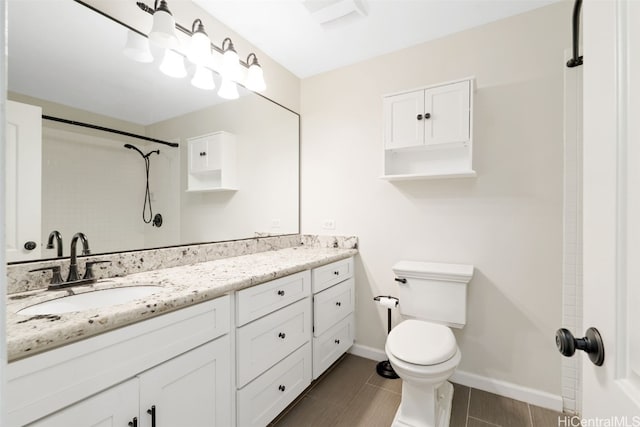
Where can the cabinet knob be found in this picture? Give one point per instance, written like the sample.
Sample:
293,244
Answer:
134,422
281,293
282,335
281,387
30,245
203,153
338,303
419,117
337,273
337,341
427,116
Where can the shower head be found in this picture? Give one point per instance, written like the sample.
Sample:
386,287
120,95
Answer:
133,147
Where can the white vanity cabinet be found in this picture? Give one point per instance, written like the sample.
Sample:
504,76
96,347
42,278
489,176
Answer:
212,162
190,390
273,349
333,313
428,132
178,362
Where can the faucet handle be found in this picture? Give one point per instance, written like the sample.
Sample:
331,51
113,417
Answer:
88,273
56,278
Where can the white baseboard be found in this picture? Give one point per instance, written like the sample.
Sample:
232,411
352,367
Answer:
502,388
368,352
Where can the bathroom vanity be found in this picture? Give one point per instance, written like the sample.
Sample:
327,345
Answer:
225,342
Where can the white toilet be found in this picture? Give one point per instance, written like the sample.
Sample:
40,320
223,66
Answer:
422,349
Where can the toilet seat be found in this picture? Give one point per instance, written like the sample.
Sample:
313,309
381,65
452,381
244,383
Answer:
422,343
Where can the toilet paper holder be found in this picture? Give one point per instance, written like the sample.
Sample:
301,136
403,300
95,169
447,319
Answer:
384,368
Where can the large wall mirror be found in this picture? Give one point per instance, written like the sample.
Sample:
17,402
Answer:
68,60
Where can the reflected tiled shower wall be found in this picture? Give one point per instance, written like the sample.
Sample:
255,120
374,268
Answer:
572,239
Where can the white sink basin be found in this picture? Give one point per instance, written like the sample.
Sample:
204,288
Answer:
90,300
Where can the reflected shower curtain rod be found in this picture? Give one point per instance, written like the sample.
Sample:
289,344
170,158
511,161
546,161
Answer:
106,129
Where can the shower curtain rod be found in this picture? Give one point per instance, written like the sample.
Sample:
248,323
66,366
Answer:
106,129
577,59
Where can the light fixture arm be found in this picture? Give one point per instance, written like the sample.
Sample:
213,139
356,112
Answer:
199,28
253,61
150,11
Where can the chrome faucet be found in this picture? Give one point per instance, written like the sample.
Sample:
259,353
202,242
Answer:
73,267
55,234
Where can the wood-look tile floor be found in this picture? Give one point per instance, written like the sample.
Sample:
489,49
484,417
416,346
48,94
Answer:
352,394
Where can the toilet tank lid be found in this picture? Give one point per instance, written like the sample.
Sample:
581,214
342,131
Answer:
433,270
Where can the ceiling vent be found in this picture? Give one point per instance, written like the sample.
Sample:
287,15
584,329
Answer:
330,11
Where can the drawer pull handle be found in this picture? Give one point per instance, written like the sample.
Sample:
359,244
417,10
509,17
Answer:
338,303
337,341
134,422
281,293
281,387
282,335
152,412
337,273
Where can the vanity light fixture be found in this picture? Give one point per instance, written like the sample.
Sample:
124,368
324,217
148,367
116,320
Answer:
200,54
203,78
255,77
228,89
163,31
230,61
173,64
200,47
137,47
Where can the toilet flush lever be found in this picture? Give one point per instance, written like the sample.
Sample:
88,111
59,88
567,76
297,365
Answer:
401,279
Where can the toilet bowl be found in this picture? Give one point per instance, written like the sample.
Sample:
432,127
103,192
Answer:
424,355
422,349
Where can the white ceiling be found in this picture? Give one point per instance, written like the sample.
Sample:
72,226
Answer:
292,35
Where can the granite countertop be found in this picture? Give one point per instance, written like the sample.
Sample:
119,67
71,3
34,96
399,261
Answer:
182,286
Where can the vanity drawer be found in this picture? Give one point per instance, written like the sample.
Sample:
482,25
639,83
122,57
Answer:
330,274
264,342
259,300
264,398
332,305
328,347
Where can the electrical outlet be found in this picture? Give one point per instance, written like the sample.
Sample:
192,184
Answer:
329,224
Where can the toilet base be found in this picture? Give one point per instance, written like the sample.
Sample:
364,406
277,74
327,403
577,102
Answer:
444,396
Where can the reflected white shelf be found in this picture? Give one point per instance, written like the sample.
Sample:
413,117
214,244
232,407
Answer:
210,190
438,175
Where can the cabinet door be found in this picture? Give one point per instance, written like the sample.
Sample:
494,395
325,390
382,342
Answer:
448,107
403,128
114,407
199,155
193,389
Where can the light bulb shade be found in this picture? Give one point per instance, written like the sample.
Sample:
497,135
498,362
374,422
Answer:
228,90
137,47
200,49
230,65
173,64
203,78
255,78
163,31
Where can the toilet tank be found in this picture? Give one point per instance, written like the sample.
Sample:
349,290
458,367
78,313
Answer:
434,292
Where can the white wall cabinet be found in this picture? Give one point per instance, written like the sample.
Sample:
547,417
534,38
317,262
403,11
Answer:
212,162
333,308
428,132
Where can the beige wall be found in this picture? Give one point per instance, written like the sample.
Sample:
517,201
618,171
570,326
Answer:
507,222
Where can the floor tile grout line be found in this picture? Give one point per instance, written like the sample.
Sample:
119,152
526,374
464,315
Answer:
347,406
530,415
382,388
483,421
466,418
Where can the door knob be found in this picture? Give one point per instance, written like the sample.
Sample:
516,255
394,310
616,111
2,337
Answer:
591,344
